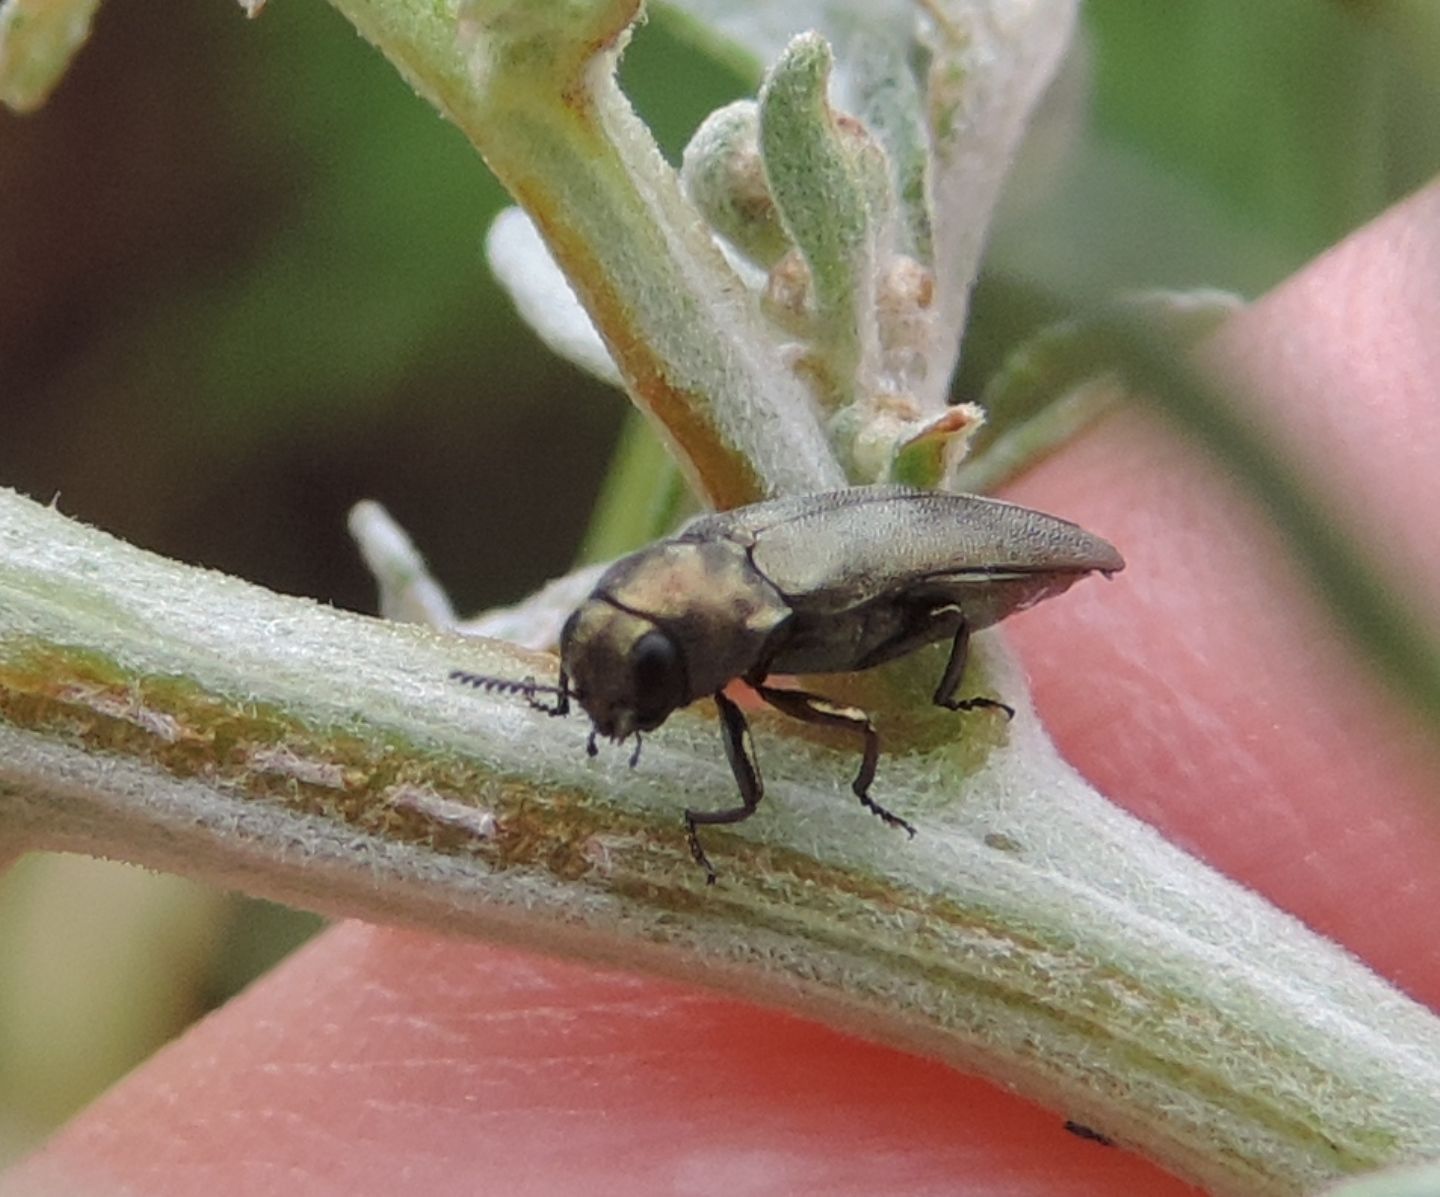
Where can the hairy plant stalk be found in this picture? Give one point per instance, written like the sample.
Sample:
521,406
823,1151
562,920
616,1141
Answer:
559,133
1031,932
38,40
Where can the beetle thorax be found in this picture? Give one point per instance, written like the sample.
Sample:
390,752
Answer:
664,627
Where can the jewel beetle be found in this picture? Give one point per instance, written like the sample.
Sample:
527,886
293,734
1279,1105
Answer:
822,583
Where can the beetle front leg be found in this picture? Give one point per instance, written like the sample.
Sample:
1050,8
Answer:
561,705
740,752
954,671
821,711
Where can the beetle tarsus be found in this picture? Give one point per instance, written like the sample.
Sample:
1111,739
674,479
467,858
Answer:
888,817
561,706
975,704
692,834
954,671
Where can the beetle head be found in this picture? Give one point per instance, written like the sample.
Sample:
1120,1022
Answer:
623,668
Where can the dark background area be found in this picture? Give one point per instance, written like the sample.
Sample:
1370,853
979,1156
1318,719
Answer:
242,286
239,293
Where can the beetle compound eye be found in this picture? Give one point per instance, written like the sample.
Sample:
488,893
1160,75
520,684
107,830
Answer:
659,678
655,661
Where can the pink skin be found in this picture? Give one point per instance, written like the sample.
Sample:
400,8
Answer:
1201,688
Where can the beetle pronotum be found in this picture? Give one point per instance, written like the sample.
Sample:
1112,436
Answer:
822,583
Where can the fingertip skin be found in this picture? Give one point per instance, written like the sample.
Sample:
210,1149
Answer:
1207,690
378,1059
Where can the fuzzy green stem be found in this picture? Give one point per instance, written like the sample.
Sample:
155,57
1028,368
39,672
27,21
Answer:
827,181
1031,931
545,112
38,40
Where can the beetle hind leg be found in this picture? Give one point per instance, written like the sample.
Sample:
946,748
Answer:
821,711
741,754
954,671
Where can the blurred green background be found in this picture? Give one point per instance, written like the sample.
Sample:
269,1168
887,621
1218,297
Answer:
241,287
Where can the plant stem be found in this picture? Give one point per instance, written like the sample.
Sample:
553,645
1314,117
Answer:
1030,932
562,138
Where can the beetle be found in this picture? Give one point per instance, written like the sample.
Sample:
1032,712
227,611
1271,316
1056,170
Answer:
823,583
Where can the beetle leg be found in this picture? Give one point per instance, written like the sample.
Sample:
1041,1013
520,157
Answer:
740,752
821,711
954,671
561,706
